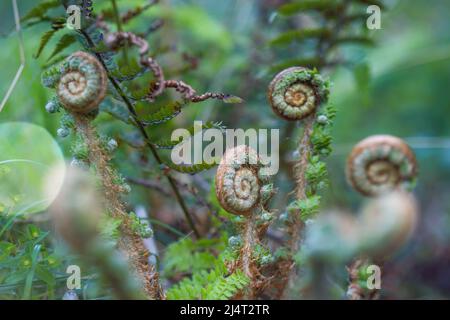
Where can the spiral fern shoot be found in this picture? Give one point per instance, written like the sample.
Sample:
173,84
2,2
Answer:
297,92
381,163
83,83
240,181
243,188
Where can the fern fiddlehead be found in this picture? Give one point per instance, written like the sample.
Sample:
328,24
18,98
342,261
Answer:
237,182
81,85
243,188
297,94
336,23
379,164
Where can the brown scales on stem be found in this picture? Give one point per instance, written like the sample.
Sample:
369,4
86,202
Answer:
285,269
130,244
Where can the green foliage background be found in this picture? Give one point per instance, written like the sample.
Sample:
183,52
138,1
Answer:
400,87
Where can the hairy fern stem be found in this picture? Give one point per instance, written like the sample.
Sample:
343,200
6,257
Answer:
130,243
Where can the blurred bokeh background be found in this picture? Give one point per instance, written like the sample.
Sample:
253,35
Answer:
400,87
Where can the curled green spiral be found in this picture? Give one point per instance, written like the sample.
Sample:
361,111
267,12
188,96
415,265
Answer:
297,92
82,83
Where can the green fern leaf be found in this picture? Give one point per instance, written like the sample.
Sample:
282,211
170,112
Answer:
40,10
165,114
292,35
379,3
232,99
213,285
44,41
292,8
115,108
225,288
192,169
64,42
169,144
187,255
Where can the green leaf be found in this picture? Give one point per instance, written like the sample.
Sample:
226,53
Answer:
362,79
30,275
44,41
232,99
379,3
308,207
110,227
169,144
295,7
64,42
192,169
187,255
165,113
226,287
45,275
33,231
41,9
6,248
116,108
297,35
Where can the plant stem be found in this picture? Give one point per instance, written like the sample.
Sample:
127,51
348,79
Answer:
148,143
119,28
130,243
248,265
295,227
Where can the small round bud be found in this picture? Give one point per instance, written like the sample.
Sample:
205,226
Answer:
284,217
77,163
112,145
322,119
51,107
266,216
309,222
70,295
126,188
322,185
235,241
266,259
63,132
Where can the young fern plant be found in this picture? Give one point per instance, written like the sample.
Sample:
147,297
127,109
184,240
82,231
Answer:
130,95
243,189
94,81
297,93
376,166
81,85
